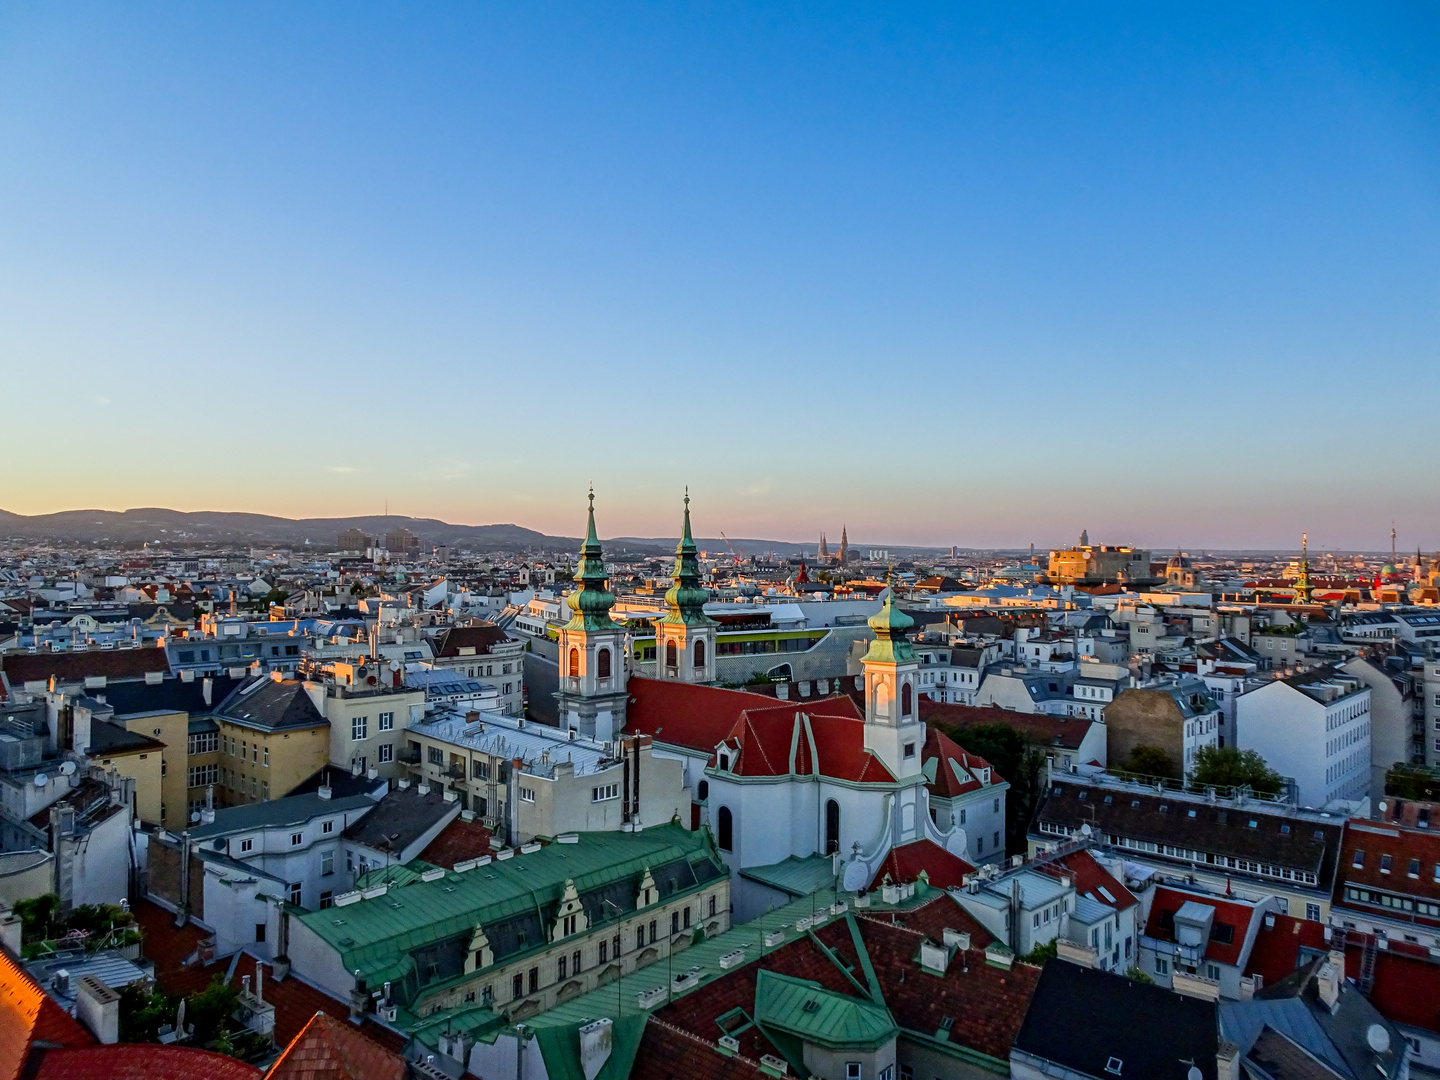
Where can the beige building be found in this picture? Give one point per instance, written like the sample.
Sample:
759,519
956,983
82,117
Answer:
270,736
1099,564
368,714
113,745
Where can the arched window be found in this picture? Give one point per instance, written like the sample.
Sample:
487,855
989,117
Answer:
602,664
725,827
702,789
832,827
905,700
700,653
574,663
670,654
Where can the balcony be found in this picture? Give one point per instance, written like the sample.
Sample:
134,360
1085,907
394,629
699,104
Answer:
409,757
456,771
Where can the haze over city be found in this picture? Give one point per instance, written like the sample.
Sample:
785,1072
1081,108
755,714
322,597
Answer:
978,277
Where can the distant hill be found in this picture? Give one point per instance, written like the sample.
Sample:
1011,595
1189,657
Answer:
213,527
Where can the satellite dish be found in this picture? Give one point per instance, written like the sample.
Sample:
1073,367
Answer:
41,779
67,768
1194,1073
1378,1038
194,816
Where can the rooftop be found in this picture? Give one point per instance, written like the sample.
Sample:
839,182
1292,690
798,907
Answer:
277,813
540,746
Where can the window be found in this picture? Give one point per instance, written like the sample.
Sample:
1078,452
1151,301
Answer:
852,1070
674,923
387,721
670,654
265,761
1162,966
906,700
604,952
359,726
567,926
1385,861
702,790
326,900
204,775
480,770
527,794
575,962
654,930
296,890
385,754
1358,860
562,969
436,756
327,864
534,979
724,826
517,986
615,946
203,743
246,845
602,664
260,931
712,906
909,750
574,663
605,792
1312,912
1414,868
685,922
1114,1065
995,841
996,807
1212,972
296,839
832,827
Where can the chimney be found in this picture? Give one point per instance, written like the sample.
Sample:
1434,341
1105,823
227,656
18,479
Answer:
1227,1061
1327,981
97,1006
259,982
207,688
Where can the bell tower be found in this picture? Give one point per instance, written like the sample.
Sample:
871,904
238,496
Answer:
593,672
685,635
893,730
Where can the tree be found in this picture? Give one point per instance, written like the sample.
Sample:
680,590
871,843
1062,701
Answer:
142,1012
1229,766
210,1008
1017,759
1150,761
37,916
1041,953
1136,975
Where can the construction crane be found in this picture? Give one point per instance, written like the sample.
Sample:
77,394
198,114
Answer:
734,554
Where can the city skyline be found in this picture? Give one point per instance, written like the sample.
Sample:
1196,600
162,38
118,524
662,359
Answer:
951,277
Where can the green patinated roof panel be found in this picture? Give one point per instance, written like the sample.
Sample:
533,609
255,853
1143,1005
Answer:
810,1012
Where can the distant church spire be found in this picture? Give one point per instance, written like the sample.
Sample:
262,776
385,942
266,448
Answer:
1302,579
823,552
844,547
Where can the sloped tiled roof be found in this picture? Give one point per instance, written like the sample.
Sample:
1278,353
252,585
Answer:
274,705
668,1052
481,638
330,1049
765,737
1090,879
70,667
28,1016
1236,915
1276,952
1066,732
956,769
904,863
696,717
139,1061
460,841
1372,841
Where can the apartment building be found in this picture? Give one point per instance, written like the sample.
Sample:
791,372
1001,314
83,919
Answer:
270,735
1178,717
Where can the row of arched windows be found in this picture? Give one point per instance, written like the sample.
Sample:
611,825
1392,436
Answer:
602,663
671,654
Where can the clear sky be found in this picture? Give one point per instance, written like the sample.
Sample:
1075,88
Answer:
965,273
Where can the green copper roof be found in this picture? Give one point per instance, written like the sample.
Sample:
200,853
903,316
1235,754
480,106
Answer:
687,596
891,625
810,1012
592,600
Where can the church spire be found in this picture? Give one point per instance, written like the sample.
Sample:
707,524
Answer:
687,596
844,547
592,600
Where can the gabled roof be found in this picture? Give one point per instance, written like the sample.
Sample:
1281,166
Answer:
1407,849
291,810
29,1016
807,1010
1277,951
682,714
401,818
176,695
957,771
905,861
329,1049
767,736
114,740
138,1061
1091,879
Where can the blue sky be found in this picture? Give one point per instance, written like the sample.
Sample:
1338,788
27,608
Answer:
972,274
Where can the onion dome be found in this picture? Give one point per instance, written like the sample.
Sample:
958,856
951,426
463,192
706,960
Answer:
592,600
892,627
687,596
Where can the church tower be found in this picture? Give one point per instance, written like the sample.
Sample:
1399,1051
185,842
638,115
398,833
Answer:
844,547
685,635
593,673
893,730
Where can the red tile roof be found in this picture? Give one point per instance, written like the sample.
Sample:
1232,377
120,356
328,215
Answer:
765,737
330,1049
28,1016
1231,912
668,1052
482,638
141,1061
697,717
459,841
1090,877
1276,953
296,1003
1068,732
904,863
1406,848
956,769
1406,988
71,667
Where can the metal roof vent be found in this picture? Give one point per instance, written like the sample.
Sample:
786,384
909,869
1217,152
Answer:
1114,1065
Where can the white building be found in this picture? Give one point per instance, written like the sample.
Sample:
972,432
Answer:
1315,727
